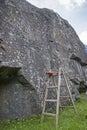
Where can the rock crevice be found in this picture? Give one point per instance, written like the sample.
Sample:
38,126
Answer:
35,40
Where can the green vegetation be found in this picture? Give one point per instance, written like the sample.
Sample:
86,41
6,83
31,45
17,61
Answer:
67,120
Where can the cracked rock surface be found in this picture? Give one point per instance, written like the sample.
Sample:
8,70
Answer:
33,41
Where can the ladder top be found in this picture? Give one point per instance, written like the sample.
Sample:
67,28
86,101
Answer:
50,73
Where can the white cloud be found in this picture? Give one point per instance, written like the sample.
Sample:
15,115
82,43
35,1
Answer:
79,2
83,37
70,4
65,3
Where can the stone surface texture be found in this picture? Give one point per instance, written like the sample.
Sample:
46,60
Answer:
33,41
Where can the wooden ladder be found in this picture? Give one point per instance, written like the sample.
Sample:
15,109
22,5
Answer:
52,76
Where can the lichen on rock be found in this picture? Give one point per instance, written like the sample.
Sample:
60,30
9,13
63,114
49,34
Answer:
35,40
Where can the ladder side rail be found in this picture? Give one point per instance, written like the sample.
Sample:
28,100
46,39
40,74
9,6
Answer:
44,102
58,97
68,87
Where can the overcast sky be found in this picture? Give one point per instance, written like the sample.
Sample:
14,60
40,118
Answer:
75,11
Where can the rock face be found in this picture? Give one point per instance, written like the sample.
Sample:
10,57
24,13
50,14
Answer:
33,41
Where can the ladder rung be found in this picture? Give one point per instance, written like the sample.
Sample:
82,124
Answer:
62,86
52,87
51,100
49,114
67,106
64,96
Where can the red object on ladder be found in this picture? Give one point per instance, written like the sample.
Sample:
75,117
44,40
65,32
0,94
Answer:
52,73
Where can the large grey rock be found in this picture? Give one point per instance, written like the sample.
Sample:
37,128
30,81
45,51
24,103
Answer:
33,41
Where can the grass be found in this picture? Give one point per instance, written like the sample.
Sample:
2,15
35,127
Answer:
67,120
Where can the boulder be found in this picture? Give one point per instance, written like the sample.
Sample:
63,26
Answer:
33,41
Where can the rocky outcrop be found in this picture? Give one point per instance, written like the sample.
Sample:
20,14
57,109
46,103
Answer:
33,41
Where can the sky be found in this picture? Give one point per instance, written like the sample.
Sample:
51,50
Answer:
74,11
